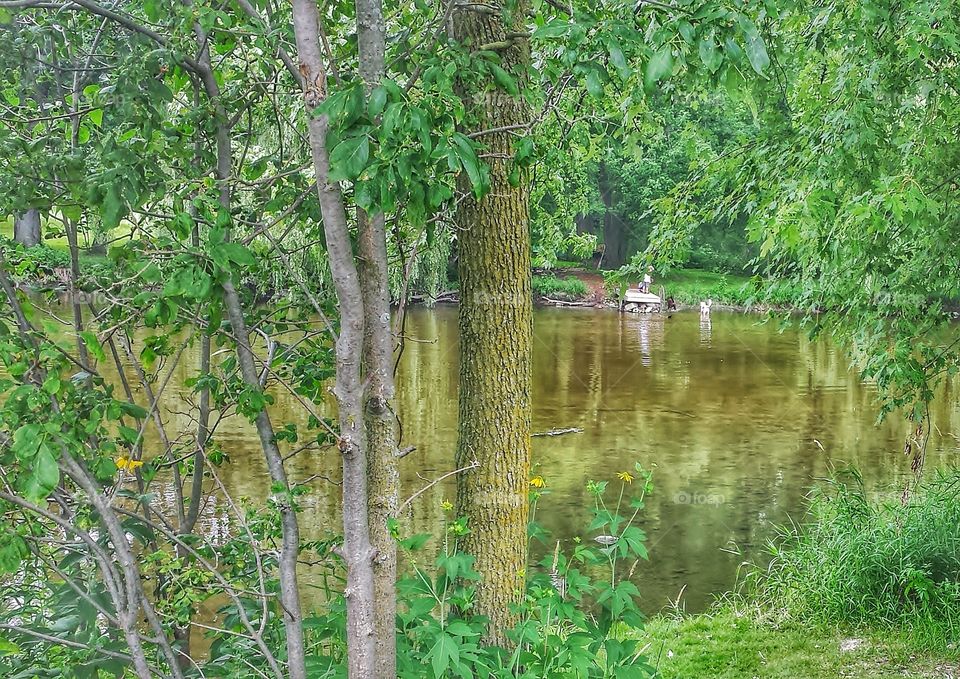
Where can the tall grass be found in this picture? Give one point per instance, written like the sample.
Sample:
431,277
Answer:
864,561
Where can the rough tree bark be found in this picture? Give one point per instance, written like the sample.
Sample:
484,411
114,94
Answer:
496,332
26,228
383,475
357,550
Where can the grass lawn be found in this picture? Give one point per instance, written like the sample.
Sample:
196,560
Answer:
701,277
58,243
725,645
691,286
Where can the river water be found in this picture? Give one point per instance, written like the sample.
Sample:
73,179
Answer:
737,417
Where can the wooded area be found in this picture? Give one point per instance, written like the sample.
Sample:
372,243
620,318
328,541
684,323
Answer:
263,188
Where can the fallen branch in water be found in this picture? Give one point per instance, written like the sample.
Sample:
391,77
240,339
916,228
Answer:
563,302
559,432
445,296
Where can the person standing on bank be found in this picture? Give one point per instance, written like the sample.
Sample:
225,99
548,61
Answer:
647,280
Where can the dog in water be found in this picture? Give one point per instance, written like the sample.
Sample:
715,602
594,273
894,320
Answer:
705,307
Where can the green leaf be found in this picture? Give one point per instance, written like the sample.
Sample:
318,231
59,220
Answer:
618,59
659,67
26,442
132,409
757,53
445,651
224,220
238,254
7,647
756,50
128,434
93,344
12,551
710,54
52,384
73,212
554,29
378,100
594,84
504,80
469,162
415,542
182,225
349,158
45,475
96,116
67,623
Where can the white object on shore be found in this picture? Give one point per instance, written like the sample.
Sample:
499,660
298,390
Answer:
644,302
705,307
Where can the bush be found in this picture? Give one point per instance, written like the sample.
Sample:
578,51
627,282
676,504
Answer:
33,263
551,286
578,617
868,562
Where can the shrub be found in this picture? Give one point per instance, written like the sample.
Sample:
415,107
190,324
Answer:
551,286
579,615
872,562
33,263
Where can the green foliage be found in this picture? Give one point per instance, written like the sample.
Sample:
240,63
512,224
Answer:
847,185
551,286
884,563
36,263
577,610
579,615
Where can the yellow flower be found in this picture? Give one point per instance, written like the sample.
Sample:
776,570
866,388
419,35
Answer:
446,505
538,482
125,463
626,477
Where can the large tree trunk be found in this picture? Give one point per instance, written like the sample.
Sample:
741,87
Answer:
383,475
496,334
26,228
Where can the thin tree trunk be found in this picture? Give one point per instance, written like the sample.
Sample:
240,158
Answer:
383,475
496,334
26,228
357,550
289,525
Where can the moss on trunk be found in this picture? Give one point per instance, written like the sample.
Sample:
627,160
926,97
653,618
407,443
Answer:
496,334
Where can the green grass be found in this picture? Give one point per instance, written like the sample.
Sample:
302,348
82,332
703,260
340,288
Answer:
864,561
691,286
731,645
868,588
58,243
552,286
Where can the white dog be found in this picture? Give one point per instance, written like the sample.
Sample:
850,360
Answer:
705,307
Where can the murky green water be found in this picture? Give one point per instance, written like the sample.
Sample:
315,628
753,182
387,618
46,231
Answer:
737,418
